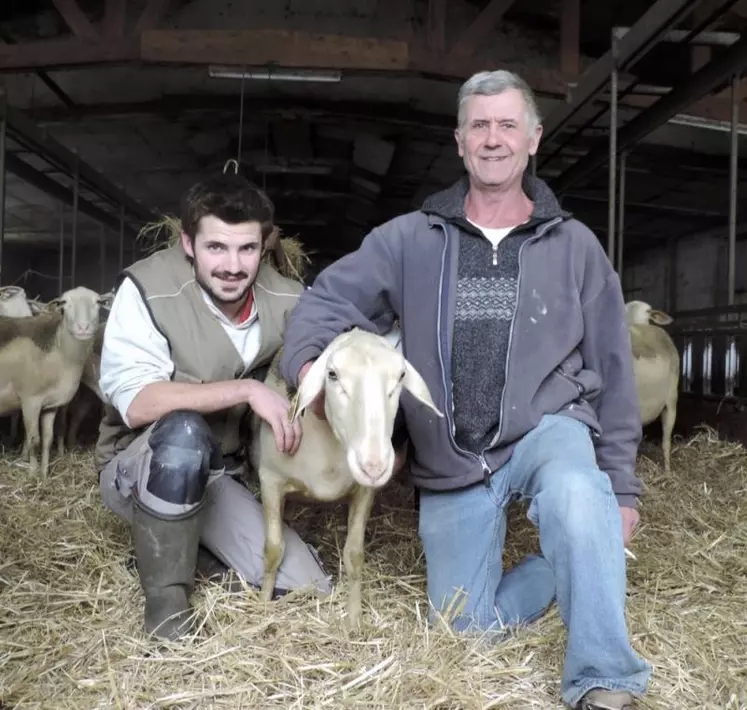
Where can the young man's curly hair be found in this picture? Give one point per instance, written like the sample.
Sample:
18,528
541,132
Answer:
229,197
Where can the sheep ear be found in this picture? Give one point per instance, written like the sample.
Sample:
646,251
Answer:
311,386
660,318
416,386
9,291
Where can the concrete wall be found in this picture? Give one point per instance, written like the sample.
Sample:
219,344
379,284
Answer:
701,275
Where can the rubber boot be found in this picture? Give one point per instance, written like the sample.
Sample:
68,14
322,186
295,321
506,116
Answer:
166,553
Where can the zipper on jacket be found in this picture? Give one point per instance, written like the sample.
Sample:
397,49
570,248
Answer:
537,236
452,424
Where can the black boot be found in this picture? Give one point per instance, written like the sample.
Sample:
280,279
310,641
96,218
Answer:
166,553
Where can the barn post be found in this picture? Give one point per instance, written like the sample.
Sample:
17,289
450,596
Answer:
61,268
121,238
612,152
621,215
76,192
3,133
733,187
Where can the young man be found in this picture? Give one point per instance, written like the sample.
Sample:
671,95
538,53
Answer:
191,330
512,313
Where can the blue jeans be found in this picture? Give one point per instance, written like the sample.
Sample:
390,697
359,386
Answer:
582,565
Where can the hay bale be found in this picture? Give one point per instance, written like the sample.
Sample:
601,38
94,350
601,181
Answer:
71,609
286,254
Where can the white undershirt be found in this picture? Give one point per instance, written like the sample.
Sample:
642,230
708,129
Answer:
494,235
135,354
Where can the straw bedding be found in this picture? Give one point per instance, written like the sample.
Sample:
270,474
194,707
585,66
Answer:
71,608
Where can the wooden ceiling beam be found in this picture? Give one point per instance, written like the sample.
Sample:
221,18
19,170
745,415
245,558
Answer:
76,19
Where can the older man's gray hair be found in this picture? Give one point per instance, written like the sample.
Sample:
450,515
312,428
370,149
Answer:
490,83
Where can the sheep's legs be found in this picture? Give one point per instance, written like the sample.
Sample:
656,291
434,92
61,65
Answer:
352,555
273,502
62,426
668,417
47,434
31,409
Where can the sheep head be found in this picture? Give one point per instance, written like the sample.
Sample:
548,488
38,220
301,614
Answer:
362,377
14,303
80,311
641,313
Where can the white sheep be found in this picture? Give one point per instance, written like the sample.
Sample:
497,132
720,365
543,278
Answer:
15,304
349,455
41,363
656,365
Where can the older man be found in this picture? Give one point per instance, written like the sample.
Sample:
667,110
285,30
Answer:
514,316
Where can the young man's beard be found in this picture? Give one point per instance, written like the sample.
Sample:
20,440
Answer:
234,298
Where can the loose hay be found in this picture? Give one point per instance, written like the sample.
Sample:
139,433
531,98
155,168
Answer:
291,259
71,609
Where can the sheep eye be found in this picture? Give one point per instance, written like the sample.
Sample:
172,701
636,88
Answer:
332,375
402,375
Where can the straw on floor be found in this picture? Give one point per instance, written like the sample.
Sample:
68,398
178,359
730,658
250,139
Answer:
71,608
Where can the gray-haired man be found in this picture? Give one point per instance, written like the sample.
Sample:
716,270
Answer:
512,313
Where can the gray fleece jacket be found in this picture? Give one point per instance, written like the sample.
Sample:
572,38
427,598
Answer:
568,349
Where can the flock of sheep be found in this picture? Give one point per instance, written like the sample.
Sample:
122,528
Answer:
49,357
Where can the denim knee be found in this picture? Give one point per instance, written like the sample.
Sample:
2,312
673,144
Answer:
574,499
183,452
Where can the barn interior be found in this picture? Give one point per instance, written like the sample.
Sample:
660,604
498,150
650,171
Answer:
344,112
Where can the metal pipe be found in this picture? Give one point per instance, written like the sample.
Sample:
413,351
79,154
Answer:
61,273
724,39
121,238
612,153
3,135
39,141
662,15
733,187
621,215
102,257
684,94
74,249
34,177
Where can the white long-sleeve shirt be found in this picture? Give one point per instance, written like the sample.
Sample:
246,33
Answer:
135,354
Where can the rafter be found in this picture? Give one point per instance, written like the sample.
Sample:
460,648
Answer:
481,27
152,14
76,19
114,18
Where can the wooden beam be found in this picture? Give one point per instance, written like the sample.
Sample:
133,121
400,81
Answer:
481,27
151,15
114,18
570,33
282,47
75,19
437,25
65,53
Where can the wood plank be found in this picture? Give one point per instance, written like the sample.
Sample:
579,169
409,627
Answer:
114,18
570,33
481,27
260,47
437,25
151,15
75,19
67,52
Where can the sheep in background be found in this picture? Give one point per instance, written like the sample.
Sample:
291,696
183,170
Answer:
347,456
41,363
656,365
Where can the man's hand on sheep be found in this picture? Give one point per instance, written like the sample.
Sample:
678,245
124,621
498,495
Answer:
273,408
317,404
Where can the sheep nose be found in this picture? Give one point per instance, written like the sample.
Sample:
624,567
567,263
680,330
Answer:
374,468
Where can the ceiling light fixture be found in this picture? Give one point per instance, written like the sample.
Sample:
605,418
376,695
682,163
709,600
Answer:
274,74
